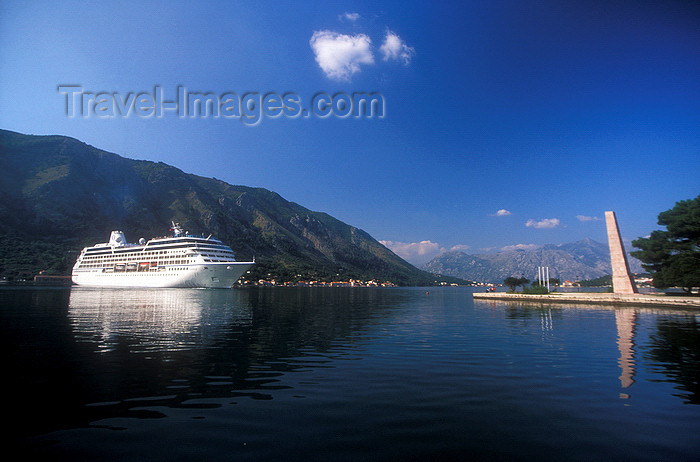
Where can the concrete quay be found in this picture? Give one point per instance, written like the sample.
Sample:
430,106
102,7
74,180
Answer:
598,298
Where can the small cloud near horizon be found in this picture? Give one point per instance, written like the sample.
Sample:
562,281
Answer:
546,223
509,248
352,17
420,253
416,253
502,213
585,218
488,249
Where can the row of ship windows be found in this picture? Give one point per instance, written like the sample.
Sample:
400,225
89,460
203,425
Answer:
161,245
139,256
110,263
152,264
208,248
131,270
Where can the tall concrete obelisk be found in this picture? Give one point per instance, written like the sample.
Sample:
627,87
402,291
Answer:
623,282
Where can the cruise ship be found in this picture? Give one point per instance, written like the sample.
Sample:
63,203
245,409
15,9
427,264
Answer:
180,260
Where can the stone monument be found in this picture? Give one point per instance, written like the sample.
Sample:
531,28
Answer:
623,282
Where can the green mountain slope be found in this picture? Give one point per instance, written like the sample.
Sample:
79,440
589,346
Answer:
58,194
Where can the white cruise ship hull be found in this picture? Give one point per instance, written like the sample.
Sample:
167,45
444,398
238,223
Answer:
220,275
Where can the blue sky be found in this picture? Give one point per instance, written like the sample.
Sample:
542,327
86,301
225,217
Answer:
505,123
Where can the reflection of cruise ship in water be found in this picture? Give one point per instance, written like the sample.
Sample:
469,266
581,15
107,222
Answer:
181,260
153,320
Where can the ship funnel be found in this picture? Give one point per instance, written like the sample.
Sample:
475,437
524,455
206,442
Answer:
117,239
176,229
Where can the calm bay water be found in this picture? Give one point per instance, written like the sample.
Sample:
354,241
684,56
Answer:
344,374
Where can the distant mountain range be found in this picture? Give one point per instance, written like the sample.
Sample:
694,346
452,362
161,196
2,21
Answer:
58,194
586,259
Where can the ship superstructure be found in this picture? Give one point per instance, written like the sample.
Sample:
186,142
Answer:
180,260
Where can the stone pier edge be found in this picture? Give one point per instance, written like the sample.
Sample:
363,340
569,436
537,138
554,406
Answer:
597,298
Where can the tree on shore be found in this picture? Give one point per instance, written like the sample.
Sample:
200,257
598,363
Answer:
512,282
673,256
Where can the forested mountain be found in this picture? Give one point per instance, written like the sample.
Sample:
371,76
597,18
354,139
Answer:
58,195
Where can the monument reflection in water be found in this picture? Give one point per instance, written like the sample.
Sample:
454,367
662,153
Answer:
625,319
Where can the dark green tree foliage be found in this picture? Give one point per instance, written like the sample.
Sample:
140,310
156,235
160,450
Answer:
597,282
673,256
513,282
535,289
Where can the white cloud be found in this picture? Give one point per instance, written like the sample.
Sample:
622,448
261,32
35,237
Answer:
544,223
352,17
502,213
420,253
509,248
340,55
417,253
394,48
584,218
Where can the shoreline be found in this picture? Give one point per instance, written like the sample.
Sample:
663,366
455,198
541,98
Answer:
597,298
